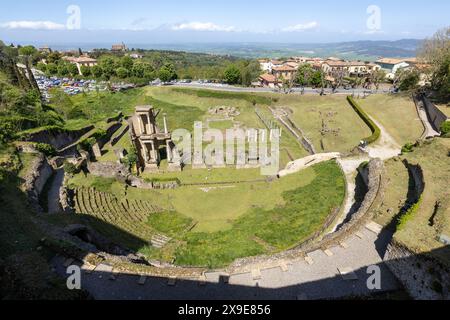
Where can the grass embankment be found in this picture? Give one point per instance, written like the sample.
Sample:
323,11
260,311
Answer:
397,114
421,226
326,121
24,263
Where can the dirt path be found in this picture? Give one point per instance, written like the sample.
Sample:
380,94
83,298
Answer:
386,147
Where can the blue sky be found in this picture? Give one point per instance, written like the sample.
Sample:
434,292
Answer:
175,21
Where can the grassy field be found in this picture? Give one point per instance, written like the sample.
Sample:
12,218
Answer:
430,221
234,219
344,129
397,114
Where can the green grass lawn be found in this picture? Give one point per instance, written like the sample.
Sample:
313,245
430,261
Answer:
397,114
234,220
417,233
346,129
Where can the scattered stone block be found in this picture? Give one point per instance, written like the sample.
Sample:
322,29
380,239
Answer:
256,274
347,274
104,268
142,280
309,260
344,245
374,227
172,281
88,268
284,267
328,252
359,235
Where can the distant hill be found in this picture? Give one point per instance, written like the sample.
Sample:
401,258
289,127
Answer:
369,50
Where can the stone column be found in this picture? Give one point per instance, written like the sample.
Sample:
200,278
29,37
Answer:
168,151
154,155
145,152
166,130
141,124
150,127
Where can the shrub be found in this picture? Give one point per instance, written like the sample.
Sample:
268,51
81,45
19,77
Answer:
376,132
407,148
445,128
46,149
408,215
87,144
70,168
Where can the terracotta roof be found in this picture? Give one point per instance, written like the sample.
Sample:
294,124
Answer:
268,77
390,61
284,68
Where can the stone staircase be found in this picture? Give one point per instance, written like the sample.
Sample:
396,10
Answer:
159,241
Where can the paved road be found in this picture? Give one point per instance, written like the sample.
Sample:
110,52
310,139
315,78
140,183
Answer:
221,87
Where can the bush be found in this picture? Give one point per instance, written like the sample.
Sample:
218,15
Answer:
445,128
70,168
407,148
408,215
46,149
376,132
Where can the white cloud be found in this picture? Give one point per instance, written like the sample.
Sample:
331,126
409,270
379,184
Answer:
33,25
202,26
302,27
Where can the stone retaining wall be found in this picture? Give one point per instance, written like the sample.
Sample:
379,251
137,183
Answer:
375,172
37,176
58,140
436,116
423,276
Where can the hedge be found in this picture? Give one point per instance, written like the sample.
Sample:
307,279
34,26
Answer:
376,131
408,215
202,93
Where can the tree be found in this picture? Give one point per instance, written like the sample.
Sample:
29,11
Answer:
73,69
41,66
52,69
232,75
108,67
436,52
97,71
304,73
317,79
408,79
168,71
63,70
53,57
127,62
122,72
27,51
164,75
85,71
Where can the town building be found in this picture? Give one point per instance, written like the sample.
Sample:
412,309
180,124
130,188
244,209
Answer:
349,68
391,65
121,47
268,80
82,61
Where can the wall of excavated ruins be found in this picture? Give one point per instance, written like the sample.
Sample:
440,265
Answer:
436,116
36,178
423,276
58,139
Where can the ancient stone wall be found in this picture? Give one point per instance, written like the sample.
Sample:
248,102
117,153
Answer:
436,116
37,176
423,276
58,139
108,169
